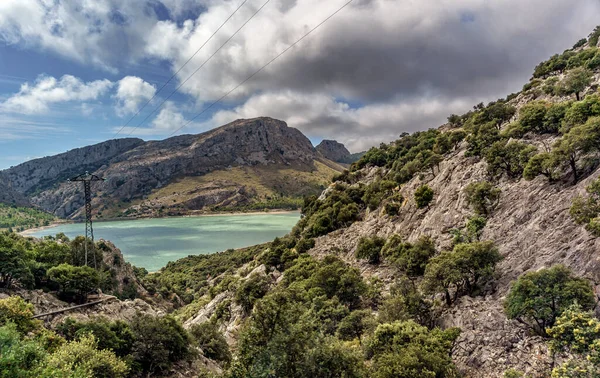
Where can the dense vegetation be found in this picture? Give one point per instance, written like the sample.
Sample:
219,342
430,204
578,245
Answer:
21,218
57,264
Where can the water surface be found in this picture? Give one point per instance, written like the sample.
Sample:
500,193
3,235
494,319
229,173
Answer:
152,243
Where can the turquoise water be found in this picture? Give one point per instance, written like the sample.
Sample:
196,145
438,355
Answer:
152,243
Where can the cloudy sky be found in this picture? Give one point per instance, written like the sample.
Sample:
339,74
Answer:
76,72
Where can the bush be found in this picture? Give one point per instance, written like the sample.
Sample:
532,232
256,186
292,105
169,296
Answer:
19,357
509,157
116,336
483,197
75,281
577,80
423,196
404,303
15,310
82,359
159,342
586,210
538,298
410,258
355,324
462,270
370,249
406,349
211,342
252,289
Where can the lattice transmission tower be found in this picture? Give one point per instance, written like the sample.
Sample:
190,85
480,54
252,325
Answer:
87,179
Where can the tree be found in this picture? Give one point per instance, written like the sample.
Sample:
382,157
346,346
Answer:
412,259
19,356
536,299
462,270
509,158
211,341
355,324
579,141
577,80
542,164
81,358
482,196
423,196
407,349
15,310
252,289
75,281
13,262
159,342
533,115
370,249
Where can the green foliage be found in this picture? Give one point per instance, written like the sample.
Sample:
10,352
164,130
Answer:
567,60
480,137
508,158
340,208
538,298
407,349
212,343
16,311
406,302
252,289
471,232
21,218
190,275
355,324
81,358
376,192
512,373
19,357
423,196
579,141
579,112
577,80
75,281
159,342
586,210
483,197
13,261
462,270
542,164
370,249
116,335
410,258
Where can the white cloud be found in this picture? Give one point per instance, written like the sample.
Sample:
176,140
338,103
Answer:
358,128
131,92
38,97
168,120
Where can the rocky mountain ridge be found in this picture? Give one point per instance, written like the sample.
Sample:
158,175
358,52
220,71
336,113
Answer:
134,169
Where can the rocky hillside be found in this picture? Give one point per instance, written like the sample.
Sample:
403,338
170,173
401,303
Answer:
245,164
518,179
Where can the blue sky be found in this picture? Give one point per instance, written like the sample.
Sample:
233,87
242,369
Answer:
72,73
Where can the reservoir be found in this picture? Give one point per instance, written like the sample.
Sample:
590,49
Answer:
152,243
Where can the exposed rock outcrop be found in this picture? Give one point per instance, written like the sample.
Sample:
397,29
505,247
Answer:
333,150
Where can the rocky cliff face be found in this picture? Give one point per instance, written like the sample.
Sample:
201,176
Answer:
333,150
134,169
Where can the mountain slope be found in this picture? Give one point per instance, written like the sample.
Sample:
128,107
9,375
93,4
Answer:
539,148
140,175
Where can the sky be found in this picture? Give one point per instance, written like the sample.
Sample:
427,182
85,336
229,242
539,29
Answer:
78,72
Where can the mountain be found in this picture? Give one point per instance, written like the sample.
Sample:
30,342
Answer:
256,163
336,151
440,225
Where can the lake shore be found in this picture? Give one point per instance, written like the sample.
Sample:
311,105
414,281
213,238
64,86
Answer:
30,231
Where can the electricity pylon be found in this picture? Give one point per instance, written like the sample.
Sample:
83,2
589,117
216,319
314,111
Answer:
87,179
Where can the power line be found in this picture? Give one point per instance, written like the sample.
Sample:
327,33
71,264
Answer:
263,67
198,69
180,68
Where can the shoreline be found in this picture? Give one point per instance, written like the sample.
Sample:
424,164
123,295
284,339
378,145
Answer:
29,231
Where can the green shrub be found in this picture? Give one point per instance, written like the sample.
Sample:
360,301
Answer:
370,249
406,349
75,281
509,158
423,196
15,310
586,210
252,289
462,270
159,342
116,336
538,298
355,324
577,80
483,197
211,342
406,302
